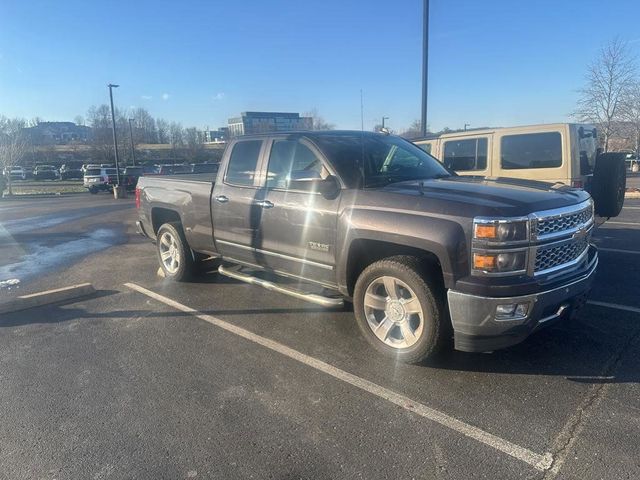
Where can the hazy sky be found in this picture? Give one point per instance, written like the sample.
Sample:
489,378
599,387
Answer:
496,63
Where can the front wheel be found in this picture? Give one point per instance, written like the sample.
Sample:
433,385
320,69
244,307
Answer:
400,310
174,253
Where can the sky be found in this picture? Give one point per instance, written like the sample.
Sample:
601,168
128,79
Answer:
491,63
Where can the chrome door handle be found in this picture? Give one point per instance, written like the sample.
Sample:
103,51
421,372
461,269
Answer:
222,199
265,204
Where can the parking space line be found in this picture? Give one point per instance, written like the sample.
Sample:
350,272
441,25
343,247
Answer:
622,223
618,250
616,306
631,208
539,462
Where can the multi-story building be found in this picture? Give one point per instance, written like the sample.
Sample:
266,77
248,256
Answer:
260,122
216,136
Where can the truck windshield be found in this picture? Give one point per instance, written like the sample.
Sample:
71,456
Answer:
369,161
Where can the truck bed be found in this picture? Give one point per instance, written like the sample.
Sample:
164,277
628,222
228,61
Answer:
187,194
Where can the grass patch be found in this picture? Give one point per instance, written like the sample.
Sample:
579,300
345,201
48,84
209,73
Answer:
41,188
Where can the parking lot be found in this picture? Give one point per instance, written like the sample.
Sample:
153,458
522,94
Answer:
218,379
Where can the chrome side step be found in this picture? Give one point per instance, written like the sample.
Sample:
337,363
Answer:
309,297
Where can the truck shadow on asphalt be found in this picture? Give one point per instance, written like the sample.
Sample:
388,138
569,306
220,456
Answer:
578,351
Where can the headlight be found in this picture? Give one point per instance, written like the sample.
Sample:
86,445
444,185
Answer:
500,262
500,230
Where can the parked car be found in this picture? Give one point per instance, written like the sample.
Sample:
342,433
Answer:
423,254
15,173
70,171
205,168
130,176
173,169
45,172
100,179
556,153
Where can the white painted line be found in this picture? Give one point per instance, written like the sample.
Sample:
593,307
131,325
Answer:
616,306
539,462
47,297
622,223
617,250
631,208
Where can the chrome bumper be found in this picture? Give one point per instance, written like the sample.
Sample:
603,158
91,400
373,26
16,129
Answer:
476,328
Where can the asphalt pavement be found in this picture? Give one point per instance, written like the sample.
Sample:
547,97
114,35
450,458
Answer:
219,379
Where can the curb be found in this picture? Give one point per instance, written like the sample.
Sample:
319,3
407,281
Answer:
47,297
26,196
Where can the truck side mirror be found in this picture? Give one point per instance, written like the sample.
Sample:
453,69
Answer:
330,187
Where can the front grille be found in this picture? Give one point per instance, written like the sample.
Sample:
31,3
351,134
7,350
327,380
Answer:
559,223
551,257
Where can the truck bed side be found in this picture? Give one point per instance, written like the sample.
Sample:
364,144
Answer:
184,198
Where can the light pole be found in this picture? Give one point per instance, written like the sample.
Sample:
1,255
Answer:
425,66
115,140
466,125
383,119
133,148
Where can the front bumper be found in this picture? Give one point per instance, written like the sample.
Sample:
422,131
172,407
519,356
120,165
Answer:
476,328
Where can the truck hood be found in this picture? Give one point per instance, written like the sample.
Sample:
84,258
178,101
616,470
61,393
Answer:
482,196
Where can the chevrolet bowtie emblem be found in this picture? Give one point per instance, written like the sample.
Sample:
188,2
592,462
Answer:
580,234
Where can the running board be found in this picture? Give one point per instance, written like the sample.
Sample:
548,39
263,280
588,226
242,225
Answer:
309,297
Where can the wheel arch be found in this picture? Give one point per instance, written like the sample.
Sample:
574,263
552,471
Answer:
162,215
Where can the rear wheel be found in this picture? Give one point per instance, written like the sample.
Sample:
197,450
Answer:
400,310
93,190
609,183
174,254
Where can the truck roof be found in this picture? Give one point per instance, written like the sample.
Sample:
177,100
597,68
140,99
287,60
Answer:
313,133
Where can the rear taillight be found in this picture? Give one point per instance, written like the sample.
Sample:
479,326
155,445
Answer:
137,198
577,184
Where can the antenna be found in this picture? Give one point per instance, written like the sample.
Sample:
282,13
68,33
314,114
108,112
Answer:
361,111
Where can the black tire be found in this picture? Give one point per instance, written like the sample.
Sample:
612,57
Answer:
435,332
182,265
609,183
93,190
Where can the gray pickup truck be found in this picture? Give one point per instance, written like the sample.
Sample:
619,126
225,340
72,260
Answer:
424,255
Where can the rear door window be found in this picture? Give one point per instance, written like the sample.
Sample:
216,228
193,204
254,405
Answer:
466,155
531,150
243,162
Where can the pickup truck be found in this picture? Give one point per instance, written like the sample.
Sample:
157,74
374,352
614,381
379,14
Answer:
423,255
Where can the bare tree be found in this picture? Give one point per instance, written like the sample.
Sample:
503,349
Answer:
608,79
414,130
13,145
317,121
99,119
145,126
193,140
631,114
162,126
78,120
34,122
176,134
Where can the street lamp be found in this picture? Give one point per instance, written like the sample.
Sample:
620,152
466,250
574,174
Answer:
425,66
133,148
466,125
383,119
115,140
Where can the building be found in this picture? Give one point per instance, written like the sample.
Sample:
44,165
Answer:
57,133
216,136
261,122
